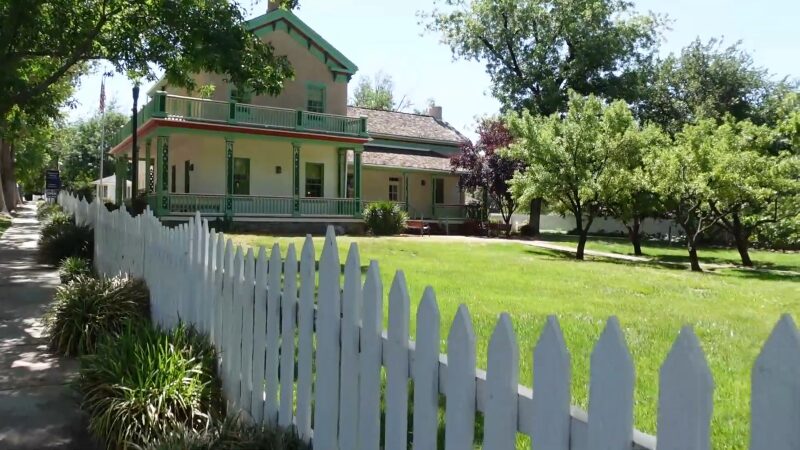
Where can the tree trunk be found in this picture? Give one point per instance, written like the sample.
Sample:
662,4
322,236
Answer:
3,209
533,218
9,186
581,244
635,236
694,261
741,238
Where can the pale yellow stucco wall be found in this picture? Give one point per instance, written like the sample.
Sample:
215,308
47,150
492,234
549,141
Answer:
420,197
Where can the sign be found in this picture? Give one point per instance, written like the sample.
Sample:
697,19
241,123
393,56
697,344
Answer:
52,183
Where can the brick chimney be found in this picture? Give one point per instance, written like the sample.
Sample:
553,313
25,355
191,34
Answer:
435,112
272,5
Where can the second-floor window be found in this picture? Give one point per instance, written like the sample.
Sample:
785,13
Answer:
316,98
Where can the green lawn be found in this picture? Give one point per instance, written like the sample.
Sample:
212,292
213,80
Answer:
732,310
5,222
662,252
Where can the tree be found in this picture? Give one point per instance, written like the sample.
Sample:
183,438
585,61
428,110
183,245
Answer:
572,160
80,160
631,198
42,44
706,80
536,51
482,167
378,93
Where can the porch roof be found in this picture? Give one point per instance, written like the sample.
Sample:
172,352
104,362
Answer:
405,161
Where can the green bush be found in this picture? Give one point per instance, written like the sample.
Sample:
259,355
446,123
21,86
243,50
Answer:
232,435
73,267
385,218
88,309
45,209
146,384
61,238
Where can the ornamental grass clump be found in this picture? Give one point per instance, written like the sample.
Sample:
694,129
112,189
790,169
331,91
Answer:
46,209
232,434
89,309
74,267
385,218
145,385
61,238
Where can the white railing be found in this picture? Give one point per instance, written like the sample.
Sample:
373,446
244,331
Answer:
250,304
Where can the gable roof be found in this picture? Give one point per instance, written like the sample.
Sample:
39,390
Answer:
406,161
290,23
393,124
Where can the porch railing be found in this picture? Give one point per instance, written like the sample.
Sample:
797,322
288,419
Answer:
191,109
255,205
191,203
329,207
449,211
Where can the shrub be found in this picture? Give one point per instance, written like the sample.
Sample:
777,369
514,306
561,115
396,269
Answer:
61,238
73,267
385,218
45,209
232,435
146,384
88,309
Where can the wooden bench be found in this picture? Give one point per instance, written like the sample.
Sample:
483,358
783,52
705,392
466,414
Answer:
418,226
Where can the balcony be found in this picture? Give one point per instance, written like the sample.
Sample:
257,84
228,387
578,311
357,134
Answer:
190,109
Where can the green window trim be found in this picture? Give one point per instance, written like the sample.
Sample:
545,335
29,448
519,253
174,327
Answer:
315,180
316,97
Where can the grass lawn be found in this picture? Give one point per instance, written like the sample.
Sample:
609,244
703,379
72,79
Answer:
5,222
733,311
660,251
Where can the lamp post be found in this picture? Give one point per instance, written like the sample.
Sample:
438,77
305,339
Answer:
135,144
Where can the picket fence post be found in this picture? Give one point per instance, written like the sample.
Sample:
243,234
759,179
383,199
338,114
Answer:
351,319
305,338
288,317
426,373
459,419
369,407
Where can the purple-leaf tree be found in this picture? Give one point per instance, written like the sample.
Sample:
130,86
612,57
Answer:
484,171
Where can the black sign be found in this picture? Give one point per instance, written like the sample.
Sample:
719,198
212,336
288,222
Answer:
52,183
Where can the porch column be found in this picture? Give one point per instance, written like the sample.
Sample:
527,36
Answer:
120,173
342,173
405,189
228,178
295,179
148,177
162,176
357,178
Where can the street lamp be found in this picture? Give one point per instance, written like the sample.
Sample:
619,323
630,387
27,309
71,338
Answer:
135,144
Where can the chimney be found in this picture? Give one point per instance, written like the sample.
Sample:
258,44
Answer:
272,5
435,112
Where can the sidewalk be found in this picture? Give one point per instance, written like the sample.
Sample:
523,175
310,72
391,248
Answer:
38,409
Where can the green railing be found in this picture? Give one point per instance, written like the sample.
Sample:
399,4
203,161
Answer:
449,211
191,203
329,207
190,109
253,205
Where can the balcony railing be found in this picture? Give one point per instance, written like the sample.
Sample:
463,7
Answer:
190,109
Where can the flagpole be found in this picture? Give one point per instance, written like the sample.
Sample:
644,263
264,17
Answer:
102,139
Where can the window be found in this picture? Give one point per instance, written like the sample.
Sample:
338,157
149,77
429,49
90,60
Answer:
174,172
438,190
316,98
394,189
186,168
241,176
314,179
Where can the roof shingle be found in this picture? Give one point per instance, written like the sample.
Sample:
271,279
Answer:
406,125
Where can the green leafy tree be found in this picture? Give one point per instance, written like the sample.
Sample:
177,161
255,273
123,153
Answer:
572,160
631,198
536,51
42,44
80,157
378,93
706,81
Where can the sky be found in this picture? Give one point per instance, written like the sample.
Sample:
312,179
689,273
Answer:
385,35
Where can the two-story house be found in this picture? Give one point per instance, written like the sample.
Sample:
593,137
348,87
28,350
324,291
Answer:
302,156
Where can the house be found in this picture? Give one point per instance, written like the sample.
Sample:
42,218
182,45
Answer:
302,156
109,188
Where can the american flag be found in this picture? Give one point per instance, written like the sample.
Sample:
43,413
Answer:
103,95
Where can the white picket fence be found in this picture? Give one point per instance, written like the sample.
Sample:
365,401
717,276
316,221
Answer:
256,314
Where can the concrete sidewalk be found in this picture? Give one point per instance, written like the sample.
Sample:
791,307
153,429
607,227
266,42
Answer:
38,409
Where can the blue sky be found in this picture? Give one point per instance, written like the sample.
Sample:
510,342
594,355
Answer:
386,35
